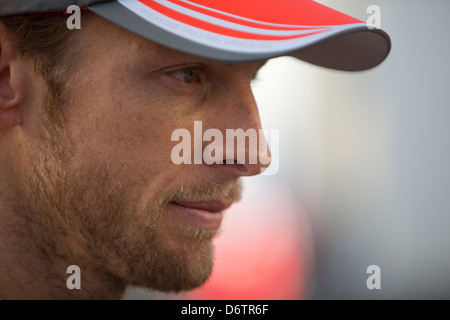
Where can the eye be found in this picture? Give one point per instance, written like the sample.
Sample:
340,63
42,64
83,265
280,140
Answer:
188,75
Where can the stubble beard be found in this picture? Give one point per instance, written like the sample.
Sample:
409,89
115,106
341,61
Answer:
86,214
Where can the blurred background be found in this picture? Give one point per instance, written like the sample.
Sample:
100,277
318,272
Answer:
363,178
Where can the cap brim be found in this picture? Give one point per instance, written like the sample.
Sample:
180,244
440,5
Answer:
317,34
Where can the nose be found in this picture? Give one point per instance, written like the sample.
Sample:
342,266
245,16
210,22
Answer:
245,150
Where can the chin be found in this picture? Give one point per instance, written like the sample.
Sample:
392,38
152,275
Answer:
184,265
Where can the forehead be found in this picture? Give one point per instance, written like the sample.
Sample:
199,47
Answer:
100,32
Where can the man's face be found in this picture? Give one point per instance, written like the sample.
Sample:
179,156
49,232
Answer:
102,188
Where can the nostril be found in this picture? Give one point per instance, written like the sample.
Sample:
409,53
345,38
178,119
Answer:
235,163
232,161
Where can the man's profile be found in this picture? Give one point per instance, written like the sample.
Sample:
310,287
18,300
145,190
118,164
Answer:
86,118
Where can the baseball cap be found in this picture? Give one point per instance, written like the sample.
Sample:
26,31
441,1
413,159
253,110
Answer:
238,30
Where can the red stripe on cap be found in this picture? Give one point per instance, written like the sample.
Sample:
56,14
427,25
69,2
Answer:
242,21
194,22
293,12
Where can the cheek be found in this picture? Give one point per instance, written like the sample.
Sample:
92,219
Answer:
127,124
141,137
132,140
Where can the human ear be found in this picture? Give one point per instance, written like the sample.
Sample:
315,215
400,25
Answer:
11,93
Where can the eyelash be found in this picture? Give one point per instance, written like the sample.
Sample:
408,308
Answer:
181,72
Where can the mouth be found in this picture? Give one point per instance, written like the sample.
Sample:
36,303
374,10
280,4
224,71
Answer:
200,214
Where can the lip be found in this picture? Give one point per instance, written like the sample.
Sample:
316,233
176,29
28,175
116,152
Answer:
201,214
